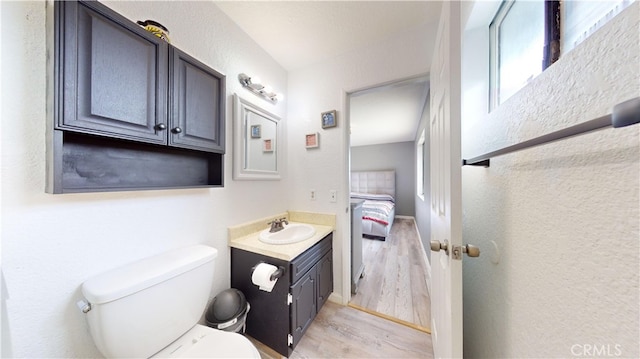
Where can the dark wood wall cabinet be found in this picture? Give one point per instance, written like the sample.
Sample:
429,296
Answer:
130,111
279,318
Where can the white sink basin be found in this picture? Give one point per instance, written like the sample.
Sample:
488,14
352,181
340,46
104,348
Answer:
292,233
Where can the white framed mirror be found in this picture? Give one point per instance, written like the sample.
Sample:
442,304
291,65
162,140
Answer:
257,152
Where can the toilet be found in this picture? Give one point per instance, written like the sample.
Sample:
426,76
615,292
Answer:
151,308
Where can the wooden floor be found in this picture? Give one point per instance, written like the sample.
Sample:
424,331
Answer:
394,283
343,332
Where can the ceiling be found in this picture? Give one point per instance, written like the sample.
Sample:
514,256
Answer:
298,34
387,114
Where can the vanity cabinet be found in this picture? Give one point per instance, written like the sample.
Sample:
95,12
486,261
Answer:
280,318
312,278
325,279
130,111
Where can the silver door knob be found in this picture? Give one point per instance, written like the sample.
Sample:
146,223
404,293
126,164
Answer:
471,250
176,130
437,246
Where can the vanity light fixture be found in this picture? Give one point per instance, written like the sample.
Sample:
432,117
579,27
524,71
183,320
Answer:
253,84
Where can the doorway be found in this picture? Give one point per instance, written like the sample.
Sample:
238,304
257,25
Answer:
384,122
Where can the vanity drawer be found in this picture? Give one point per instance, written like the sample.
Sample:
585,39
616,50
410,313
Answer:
302,263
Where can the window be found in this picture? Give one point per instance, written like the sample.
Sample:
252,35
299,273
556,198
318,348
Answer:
420,170
525,38
582,18
517,43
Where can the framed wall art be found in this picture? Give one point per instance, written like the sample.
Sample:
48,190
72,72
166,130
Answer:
256,131
311,140
267,145
329,119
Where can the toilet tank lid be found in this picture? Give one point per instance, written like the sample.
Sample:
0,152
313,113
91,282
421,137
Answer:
123,281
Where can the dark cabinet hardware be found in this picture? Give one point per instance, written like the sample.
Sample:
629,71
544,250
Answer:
277,274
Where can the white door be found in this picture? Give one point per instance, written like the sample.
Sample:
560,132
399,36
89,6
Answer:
446,188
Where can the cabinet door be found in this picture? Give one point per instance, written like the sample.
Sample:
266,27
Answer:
324,279
197,104
113,75
303,307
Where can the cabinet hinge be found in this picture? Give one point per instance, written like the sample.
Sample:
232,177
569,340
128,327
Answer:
289,299
289,339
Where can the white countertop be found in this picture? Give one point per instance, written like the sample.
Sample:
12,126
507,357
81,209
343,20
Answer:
285,252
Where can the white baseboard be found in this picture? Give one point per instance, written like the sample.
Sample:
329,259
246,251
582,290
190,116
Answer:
336,298
428,278
406,217
425,258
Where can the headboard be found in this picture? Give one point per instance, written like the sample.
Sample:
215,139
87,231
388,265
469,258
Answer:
376,182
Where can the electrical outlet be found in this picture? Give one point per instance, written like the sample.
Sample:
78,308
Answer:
333,195
312,195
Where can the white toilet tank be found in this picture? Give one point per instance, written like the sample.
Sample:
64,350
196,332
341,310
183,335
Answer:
138,309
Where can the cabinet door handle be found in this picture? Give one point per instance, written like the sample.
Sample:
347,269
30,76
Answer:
161,127
176,130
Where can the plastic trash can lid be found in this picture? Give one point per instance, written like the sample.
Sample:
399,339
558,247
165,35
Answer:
227,305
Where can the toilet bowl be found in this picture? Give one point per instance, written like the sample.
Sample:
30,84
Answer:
151,308
205,342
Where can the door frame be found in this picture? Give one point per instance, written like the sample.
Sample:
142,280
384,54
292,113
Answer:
346,178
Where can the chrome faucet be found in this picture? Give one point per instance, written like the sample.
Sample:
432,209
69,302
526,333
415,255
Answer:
276,224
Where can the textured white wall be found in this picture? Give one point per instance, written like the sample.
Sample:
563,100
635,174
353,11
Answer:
52,243
322,88
565,216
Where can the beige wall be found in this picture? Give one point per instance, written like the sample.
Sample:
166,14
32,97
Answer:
564,217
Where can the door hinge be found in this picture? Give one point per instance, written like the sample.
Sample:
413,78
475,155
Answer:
289,299
289,339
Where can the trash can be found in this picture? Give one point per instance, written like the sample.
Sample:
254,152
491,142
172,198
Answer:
228,311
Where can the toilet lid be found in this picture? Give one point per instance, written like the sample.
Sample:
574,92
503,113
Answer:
205,342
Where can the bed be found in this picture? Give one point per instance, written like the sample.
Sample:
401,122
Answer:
377,189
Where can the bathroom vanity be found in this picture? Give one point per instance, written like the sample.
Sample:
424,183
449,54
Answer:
280,318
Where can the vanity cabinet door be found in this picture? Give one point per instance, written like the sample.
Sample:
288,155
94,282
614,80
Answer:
303,307
197,108
113,75
324,279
